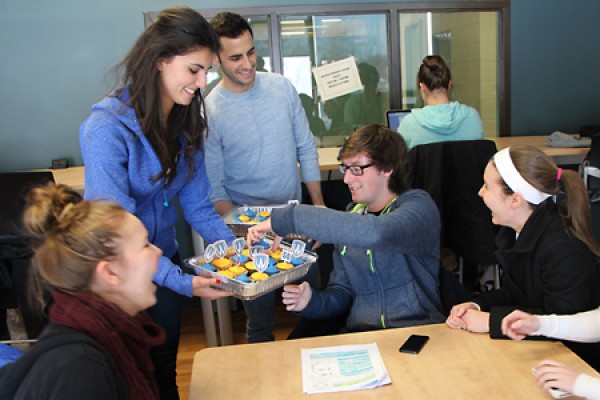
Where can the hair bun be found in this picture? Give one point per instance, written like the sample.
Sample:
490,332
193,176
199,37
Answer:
433,67
47,209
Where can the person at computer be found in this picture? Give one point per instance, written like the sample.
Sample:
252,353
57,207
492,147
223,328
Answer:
545,245
95,260
387,246
580,327
441,119
142,146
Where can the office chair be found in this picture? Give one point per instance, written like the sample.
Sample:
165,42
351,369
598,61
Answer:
15,251
452,173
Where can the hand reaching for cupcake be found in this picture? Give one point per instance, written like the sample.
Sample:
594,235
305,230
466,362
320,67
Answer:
296,297
258,231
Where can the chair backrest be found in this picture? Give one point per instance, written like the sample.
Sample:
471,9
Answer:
452,173
593,156
15,186
590,169
451,291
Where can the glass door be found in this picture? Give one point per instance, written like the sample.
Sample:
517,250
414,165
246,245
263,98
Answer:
310,41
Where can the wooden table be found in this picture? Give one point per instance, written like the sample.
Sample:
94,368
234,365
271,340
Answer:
562,155
453,365
73,176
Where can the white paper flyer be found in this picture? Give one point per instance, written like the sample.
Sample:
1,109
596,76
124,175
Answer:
343,368
337,78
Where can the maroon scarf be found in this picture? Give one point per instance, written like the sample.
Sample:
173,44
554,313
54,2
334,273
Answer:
127,339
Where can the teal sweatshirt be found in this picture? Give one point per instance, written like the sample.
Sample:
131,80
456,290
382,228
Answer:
441,123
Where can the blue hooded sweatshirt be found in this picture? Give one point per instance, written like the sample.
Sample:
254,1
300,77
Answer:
119,165
441,123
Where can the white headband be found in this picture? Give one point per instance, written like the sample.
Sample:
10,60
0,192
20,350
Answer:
514,180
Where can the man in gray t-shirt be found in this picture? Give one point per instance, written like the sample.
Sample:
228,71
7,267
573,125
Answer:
258,134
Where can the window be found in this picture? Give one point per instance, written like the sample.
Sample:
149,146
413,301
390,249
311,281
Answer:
309,41
388,41
468,43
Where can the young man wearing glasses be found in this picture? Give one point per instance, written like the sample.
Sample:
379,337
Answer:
387,253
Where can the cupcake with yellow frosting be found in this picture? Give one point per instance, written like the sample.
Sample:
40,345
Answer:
258,276
237,270
276,255
284,266
222,263
250,266
263,215
230,252
226,273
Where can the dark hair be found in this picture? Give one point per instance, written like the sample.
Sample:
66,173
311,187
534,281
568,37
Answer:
176,31
368,74
386,149
230,25
541,172
69,237
434,73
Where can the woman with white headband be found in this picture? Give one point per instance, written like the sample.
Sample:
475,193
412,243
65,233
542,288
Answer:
547,250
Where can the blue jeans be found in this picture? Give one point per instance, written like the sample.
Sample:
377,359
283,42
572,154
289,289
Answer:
167,313
260,312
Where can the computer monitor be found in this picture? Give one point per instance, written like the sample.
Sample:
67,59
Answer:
394,117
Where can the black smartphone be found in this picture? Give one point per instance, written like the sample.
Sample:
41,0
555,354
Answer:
414,344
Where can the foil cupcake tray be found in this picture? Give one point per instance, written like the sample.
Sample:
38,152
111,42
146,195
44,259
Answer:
240,228
255,289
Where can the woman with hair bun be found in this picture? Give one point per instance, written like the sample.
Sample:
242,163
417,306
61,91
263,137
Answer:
441,120
545,245
95,260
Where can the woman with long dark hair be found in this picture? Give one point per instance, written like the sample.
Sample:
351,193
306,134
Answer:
143,146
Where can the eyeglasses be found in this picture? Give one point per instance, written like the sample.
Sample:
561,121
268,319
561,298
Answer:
356,170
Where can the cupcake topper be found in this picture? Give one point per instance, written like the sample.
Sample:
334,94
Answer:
286,256
220,248
238,245
261,262
209,253
298,247
254,251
